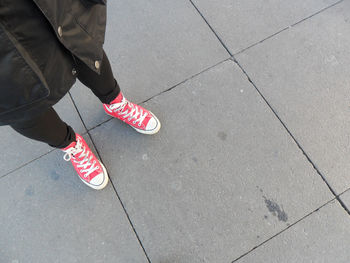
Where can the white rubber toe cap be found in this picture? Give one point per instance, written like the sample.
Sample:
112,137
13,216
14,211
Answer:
152,124
99,181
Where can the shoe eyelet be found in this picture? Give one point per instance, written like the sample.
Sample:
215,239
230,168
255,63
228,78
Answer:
134,122
139,124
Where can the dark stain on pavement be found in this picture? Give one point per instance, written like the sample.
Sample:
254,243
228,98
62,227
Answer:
276,210
55,176
222,135
29,190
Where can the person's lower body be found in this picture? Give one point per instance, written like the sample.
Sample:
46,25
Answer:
50,129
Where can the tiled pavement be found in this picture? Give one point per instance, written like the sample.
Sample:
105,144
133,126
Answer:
251,163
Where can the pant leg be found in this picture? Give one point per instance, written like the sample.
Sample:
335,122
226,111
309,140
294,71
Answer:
48,128
104,86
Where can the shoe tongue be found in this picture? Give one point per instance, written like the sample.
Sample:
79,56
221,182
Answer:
118,99
73,145
70,146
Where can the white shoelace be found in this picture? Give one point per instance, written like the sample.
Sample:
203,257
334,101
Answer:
85,162
133,114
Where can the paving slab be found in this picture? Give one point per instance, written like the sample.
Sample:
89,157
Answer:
241,23
25,149
304,74
322,237
221,176
152,46
48,215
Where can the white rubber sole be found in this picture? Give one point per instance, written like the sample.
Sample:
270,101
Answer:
104,183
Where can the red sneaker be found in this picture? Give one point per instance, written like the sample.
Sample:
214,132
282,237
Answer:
136,116
90,170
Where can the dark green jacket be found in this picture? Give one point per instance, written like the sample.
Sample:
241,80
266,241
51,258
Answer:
37,40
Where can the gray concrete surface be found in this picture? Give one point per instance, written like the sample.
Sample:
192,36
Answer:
314,239
224,179
231,174
241,24
48,215
304,74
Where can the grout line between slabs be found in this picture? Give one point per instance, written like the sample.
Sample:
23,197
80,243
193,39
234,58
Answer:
345,191
182,82
286,28
111,182
283,230
266,38
25,164
316,13
211,28
261,41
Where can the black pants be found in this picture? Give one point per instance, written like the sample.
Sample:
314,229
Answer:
49,128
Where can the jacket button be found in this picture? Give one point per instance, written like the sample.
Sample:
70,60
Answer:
59,30
97,64
74,71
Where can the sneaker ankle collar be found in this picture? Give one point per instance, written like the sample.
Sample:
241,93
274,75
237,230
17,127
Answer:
118,99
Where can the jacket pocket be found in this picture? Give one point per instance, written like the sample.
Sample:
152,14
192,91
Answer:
21,82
